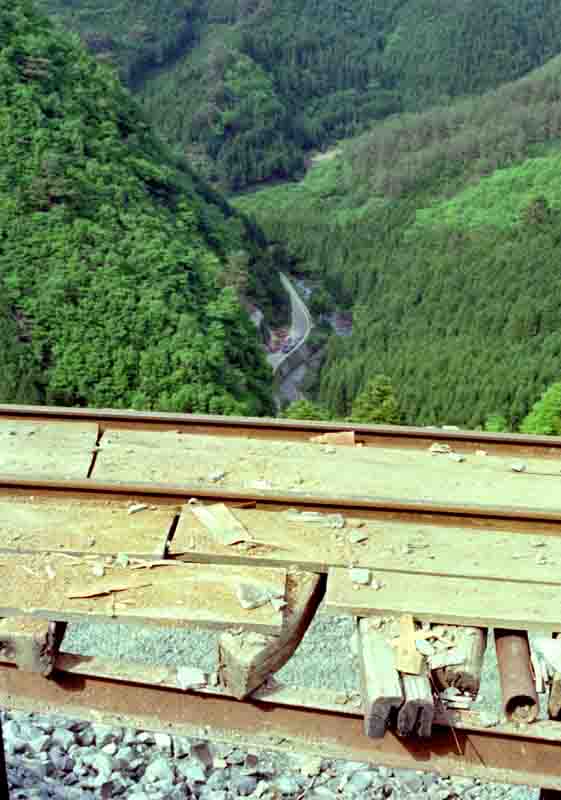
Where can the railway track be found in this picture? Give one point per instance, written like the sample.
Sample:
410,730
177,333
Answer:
73,497
519,445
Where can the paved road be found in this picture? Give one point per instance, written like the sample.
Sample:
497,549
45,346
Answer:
300,327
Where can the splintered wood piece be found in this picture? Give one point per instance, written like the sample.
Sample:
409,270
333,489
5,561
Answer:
340,437
416,715
179,595
554,701
81,526
32,644
466,676
246,660
408,658
455,601
379,679
52,450
220,522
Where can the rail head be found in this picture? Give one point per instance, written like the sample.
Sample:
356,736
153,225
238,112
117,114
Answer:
394,436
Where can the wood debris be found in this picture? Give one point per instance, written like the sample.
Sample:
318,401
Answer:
136,507
408,659
190,678
360,575
341,438
219,521
107,586
439,447
335,521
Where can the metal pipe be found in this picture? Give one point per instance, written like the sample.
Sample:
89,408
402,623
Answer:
520,699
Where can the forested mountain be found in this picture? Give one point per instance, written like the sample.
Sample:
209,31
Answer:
119,270
247,87
441,231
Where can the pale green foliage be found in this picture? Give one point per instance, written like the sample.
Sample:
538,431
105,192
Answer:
496,423
376,403
545,416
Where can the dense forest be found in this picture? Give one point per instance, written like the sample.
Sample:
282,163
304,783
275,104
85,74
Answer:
441,231
121,274
246,88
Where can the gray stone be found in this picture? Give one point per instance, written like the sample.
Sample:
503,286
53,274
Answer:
384,773
244,785
322,793
15,745
361,781
409,780
60,760
110,749
218,779
163,742
159,770
192,771
181,747
236,757
63,738
287,785
11,730
86,737
212,794
39,743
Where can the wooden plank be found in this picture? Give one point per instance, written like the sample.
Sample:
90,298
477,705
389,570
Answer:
245,660
454,601
49,586
466,676
384,546
306,467
53,450
76,526
416,715
379,679
31,644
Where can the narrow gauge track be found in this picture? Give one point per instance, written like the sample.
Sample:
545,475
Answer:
522,520
290,430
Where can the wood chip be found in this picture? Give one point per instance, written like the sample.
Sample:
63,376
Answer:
134,509
107,587
341,438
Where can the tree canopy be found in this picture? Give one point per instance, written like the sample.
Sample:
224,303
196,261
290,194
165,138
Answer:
112,252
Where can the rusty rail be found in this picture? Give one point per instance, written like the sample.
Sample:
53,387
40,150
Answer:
281,429
485,518
300,720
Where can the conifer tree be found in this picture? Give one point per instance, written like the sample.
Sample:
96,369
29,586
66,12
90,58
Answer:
376,403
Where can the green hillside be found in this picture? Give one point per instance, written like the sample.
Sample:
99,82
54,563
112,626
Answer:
119,269
248,87
441,232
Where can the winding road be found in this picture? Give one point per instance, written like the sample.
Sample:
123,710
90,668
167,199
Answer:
300,327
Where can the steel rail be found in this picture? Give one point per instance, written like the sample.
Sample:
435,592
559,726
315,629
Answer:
148,698
473,516
298,430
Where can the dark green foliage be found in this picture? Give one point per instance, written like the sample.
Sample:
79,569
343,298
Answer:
111,261
247,87
441,232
